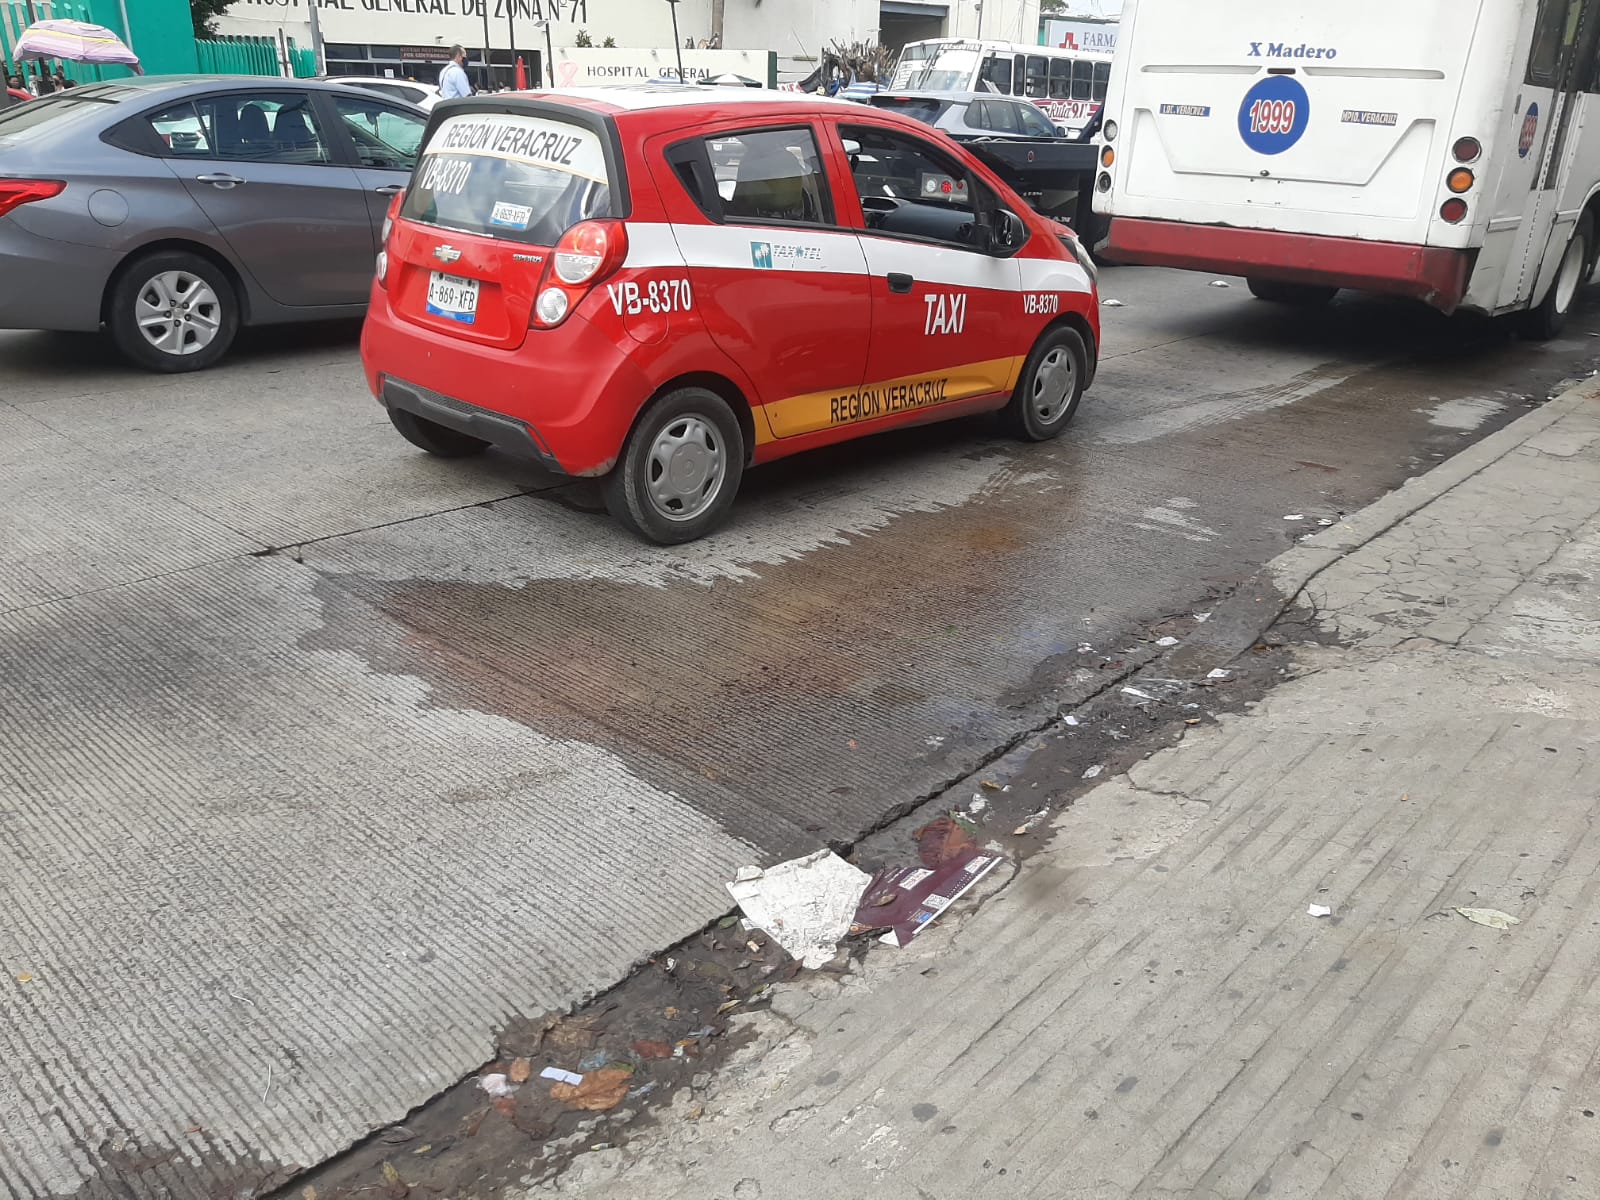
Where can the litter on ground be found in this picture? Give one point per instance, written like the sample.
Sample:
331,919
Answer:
1093,771
1219,673
1318,910
805,904
1492,917
906,900
1167,641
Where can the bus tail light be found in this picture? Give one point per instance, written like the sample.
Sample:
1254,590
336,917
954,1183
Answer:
1107,156
1109,131
1466,149
1453,210
1459,180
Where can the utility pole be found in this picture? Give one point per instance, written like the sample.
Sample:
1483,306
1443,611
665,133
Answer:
676,45
511,32
718,11
318,59
488,62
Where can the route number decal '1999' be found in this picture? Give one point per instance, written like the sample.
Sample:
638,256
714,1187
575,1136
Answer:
1274,114
657,296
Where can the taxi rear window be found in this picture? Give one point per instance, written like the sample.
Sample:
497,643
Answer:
510,176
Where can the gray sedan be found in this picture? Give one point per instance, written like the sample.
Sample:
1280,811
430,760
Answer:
171,211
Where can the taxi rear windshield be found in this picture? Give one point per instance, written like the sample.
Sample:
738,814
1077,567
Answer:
509,176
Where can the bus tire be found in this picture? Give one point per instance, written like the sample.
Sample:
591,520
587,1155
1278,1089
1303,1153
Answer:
1050,387
1301,295
1545,321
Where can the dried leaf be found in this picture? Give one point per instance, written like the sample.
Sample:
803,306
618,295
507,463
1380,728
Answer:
25,977
646,1049
308,1193
941,840
599,1092
671,1014
990,785
571,1035
506,1106
729,921
728,1007
394,1187
521,1069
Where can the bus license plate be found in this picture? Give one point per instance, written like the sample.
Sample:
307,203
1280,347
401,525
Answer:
453,297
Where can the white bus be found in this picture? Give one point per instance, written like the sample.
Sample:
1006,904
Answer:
1447,150
1068,85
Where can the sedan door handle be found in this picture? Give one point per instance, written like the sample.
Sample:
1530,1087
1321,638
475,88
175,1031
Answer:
900,282
221,179
390,189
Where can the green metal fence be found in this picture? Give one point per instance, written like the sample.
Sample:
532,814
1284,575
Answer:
14,19
252,56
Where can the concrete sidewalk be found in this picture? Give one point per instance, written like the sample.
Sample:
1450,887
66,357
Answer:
1147,1009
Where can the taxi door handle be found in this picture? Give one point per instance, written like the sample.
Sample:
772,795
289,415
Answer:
900,282
221,180
390,189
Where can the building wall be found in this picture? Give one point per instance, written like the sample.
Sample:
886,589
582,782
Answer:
797,31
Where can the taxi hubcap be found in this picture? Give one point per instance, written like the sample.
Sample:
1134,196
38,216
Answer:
1052,385
178,313
687,465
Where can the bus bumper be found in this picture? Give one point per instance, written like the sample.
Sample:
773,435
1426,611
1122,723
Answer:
1433,274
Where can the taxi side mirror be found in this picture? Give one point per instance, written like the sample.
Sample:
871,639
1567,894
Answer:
1006,231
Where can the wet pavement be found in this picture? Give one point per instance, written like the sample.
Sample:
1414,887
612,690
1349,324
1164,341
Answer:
327,760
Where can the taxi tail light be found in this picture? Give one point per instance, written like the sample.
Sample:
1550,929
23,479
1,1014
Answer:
382,266
590,251
586,254
16,192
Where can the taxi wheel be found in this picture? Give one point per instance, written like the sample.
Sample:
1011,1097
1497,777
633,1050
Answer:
1050,387
433,437
680,469
172,311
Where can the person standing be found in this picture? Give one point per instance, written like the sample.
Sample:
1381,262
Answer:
43,85
453,81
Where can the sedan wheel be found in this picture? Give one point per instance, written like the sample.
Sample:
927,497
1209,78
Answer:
172,311
178,313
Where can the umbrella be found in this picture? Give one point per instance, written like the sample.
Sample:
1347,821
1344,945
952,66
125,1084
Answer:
731,80
76,41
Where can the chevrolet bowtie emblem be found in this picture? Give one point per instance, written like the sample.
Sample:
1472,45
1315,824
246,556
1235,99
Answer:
447,254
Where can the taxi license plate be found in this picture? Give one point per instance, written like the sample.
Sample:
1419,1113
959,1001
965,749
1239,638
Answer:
453,297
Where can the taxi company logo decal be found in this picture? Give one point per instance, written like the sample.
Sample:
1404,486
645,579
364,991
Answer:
1530,129
768,255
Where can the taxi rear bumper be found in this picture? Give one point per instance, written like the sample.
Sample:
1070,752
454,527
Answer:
509,434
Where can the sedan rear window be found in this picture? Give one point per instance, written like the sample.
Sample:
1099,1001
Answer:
23,122
918,108
509,176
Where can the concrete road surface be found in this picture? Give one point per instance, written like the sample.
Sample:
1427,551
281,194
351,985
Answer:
320,759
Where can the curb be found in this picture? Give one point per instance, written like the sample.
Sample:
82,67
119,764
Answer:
1238,622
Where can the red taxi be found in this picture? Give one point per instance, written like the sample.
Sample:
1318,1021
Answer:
663,286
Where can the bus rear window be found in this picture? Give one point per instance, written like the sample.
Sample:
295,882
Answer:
518,178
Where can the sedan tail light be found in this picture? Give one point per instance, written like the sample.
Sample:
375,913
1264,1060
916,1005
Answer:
16,192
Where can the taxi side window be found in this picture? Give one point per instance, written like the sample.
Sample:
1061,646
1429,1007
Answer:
911,189
759,175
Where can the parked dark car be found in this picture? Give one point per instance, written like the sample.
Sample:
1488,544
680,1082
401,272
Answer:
171,211
967,115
